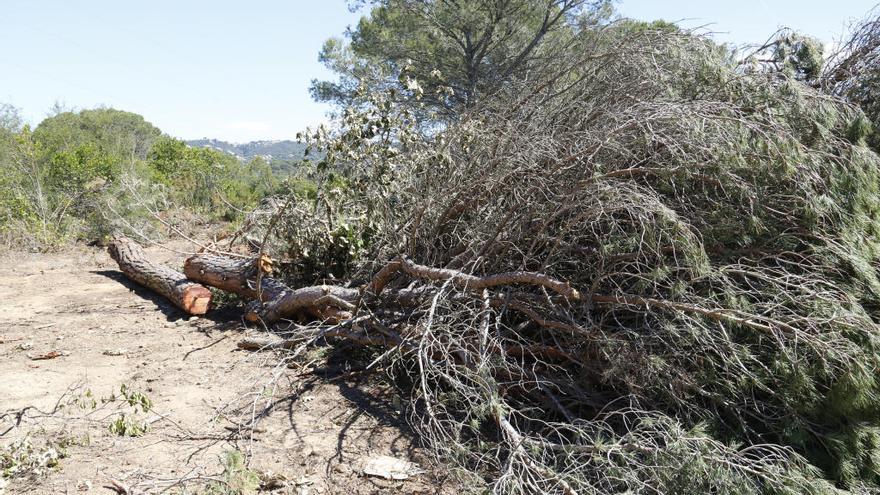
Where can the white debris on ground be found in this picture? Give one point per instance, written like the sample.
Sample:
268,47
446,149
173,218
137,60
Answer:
390,468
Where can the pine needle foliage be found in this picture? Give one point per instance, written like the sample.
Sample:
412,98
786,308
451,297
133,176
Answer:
721,226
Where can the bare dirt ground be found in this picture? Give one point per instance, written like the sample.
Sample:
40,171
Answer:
307,431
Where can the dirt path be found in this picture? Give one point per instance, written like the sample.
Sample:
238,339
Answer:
314,432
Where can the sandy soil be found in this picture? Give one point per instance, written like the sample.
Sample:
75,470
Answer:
313,433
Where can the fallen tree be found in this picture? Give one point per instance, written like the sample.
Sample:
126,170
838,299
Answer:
187,295
242,275
640,270
719,229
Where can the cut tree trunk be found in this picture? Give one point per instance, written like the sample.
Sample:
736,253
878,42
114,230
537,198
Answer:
328,303
335,304
184,293
238,276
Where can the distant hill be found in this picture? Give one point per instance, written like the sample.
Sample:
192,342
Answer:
270,150
283,156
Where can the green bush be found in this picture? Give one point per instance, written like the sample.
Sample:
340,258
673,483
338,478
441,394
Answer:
90,174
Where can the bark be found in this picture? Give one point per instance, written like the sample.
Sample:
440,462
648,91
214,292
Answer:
235,275
316,300
332,304
184,293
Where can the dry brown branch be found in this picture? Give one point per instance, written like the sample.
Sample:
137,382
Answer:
720,314
534,316
272,343
383,277
306,298
470,282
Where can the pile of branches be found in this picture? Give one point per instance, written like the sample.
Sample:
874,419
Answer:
639,270
853,73
856,59
722,231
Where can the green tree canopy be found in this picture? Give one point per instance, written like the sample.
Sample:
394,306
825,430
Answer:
118,133
447,54
209,178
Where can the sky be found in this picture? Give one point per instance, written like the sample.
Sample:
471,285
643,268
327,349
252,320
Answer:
240,71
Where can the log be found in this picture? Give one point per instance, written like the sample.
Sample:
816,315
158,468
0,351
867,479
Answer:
236,275
184,293
333,303
239,276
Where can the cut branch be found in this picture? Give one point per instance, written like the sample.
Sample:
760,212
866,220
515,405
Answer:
470,282
312,299
241,276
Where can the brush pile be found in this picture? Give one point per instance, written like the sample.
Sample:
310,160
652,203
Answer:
643,270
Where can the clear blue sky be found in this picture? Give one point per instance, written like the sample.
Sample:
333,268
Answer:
239,71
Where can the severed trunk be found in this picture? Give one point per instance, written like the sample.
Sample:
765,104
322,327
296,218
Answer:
184,293
234,275
328,303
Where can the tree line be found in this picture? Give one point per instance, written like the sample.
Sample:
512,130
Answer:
83,175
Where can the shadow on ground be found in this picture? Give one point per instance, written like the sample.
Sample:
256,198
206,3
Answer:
225,317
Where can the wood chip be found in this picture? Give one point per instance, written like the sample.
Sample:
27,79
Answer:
48,355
